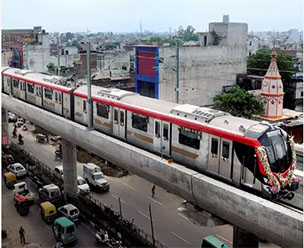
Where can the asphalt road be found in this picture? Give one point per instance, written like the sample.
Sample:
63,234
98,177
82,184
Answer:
171,227
37,231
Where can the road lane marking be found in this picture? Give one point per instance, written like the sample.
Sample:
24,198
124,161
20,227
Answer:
181,238
184,217
144,214
128,186
223,238
116,197
159,203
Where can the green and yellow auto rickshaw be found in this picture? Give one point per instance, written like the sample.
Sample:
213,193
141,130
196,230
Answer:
48,212
65,231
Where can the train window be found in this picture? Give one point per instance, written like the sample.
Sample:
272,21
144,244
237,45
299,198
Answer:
157,129
214,146
22,85
189,139
115,116
15,83
56,97
30,88
166,131
48,93
84,106
140,122
102,110
270,154
122,118
59,97
225,151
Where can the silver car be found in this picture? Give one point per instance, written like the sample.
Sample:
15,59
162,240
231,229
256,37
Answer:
69,211
17,169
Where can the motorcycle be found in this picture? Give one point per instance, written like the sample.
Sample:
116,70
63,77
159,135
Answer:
24,128
20,139
58,154
102,237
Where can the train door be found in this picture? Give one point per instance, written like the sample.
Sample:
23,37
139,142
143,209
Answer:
220,156
58,102
162,136
38,95
214,154
226,158
119,123
22,89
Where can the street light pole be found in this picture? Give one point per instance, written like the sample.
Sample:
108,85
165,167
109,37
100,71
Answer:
177,70
90,109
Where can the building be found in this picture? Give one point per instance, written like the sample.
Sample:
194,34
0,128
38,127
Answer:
272,92
203,70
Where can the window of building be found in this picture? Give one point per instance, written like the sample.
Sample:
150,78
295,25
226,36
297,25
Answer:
166,131
102,110
15,83
48,93
30,88
214,146
225,151
189,138
157,129
140,122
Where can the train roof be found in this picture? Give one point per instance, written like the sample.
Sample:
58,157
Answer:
53,82
126,97
184,112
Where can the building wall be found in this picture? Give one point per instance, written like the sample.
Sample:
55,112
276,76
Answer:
203,72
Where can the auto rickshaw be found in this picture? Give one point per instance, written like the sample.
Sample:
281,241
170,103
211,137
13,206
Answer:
48,212
21,204
212,242
65,231
9,179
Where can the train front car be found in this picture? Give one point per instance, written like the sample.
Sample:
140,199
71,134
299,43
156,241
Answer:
275,158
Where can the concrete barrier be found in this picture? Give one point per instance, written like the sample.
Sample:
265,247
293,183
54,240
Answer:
266,219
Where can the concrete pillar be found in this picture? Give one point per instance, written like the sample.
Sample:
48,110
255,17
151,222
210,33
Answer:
5,136
69,168
243,238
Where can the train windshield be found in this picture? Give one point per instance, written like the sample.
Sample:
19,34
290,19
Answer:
278,151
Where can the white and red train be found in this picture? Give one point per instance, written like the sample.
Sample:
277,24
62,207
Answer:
257,156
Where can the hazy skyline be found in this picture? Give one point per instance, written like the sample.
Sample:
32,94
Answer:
156,16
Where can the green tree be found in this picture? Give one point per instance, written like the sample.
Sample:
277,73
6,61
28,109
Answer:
187,34
238,102
258,64
51,67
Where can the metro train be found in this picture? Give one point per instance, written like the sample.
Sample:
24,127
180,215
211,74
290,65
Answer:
256,156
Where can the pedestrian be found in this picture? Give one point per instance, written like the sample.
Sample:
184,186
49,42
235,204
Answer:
153,190
22,237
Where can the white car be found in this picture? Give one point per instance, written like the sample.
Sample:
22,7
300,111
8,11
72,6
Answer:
82,185
58,171
17,169
69,211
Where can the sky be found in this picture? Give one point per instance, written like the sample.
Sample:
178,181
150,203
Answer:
157,15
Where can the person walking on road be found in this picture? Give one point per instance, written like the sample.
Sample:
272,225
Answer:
22,237
153,190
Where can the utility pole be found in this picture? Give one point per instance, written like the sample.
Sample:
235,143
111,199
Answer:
177,70
58,56
90,109
152,229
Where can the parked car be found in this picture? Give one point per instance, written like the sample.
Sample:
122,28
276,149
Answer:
20,122
17,169
12,117
51,193
69,211
82,185
58,171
